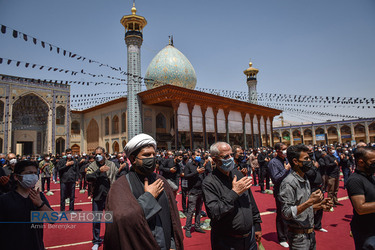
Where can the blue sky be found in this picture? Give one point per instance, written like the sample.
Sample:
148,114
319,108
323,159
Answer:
300,47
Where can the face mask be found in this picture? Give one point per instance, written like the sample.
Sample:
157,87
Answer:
28,180
148,165
197,158
264,151
13,161
240,158
47,159
84,155
2,161
64,157
306,166
121,158
227,165
178,160
370,169
284,152
185,158
69,156
346,152
98,158
333,151
320,150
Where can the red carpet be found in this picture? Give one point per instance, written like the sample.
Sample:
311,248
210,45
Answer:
79,236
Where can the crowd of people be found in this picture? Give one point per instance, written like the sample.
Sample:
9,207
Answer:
140,186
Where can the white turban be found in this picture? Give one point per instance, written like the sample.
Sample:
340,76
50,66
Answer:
137,142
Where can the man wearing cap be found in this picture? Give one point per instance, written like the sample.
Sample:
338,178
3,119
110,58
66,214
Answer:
145,214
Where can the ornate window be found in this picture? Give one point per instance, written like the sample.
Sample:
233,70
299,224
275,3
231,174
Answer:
60,115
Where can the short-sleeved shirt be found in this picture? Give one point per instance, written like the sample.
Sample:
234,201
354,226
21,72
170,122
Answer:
361,184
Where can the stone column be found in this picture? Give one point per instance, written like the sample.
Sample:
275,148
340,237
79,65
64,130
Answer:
259,131
291,136
252,130
302,138
226,114
215,111
271,123
352,130
191,107
175,106
204,109
243,115
313,135
367,133
265,129
339,133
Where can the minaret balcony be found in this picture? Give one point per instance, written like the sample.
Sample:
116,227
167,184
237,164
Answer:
133,33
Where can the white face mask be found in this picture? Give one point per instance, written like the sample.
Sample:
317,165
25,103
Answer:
333,151
284,152
69,156
28,180
13,161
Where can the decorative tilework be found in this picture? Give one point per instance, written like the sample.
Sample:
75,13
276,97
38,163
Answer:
172,67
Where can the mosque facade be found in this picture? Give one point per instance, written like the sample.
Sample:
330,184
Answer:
170,110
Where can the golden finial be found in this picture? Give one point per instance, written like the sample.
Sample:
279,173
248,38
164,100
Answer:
134,10
250,64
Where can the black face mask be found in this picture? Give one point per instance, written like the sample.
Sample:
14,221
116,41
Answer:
185,158
178,160
240,158
311,155
148,165
306,166
370,169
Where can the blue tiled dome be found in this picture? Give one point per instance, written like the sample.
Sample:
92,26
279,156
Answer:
172,67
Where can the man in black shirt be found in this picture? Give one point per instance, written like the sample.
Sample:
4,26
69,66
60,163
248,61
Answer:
194,174
316,183
361,191
235,218
68,172
333,172
16,207
345,163
171,169
239,159
184,182
263,160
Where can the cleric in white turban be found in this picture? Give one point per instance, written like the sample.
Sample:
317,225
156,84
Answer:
145,215
137,142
